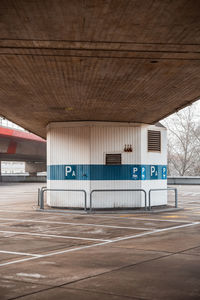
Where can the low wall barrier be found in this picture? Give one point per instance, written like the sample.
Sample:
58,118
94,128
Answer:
22,178
183,180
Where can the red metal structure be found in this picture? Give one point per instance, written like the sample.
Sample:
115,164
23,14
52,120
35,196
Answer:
18,145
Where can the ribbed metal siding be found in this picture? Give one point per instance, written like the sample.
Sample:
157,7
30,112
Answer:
110,139
73,145
68,145
154,158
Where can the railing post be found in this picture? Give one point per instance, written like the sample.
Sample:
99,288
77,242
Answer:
149,199
91,201
38,196
42,199
176,198
145,199
85,200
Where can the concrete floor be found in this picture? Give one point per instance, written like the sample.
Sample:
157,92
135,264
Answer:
78,256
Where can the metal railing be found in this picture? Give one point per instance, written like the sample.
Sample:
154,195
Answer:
120,190
168,189
41,197
39,194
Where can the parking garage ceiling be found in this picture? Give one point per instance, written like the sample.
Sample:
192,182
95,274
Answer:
120,60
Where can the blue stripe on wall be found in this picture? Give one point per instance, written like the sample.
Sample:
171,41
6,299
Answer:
107,172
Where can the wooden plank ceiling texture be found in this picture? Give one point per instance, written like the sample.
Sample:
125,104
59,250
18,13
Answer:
105,60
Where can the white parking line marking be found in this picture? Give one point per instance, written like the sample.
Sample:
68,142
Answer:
104,243
155,231
20,253
76,249
31,275
123,238
17,261
75,224
54,236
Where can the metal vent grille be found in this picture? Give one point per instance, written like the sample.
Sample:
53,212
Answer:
154,140
113,159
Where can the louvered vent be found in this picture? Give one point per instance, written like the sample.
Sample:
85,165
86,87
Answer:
113,159
154,140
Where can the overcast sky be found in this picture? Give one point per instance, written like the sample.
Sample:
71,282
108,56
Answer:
196,106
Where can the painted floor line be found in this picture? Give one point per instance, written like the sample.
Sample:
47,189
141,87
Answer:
121,239
75,224
76,249
54,236
20,253
155,231
103,243
18,261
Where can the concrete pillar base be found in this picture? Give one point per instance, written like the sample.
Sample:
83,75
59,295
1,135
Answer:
93,156
34,167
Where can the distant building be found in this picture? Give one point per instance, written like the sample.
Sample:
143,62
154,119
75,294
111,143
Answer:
12,167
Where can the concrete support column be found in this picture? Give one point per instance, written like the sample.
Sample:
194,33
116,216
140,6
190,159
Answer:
93,156
34,167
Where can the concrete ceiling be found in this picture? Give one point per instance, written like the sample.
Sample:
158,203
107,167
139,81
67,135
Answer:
120,60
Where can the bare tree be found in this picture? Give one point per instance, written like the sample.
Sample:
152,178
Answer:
183,142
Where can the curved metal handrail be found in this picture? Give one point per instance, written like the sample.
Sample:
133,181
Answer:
39,194
120,190
60,190
167,189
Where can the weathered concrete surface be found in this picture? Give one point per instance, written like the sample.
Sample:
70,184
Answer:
23,178
183,180
34,167
75,263
97,60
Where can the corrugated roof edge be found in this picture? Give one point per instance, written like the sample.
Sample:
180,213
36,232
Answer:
158,124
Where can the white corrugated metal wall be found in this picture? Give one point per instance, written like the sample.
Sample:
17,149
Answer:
86,143
68,146
154,158
112,139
